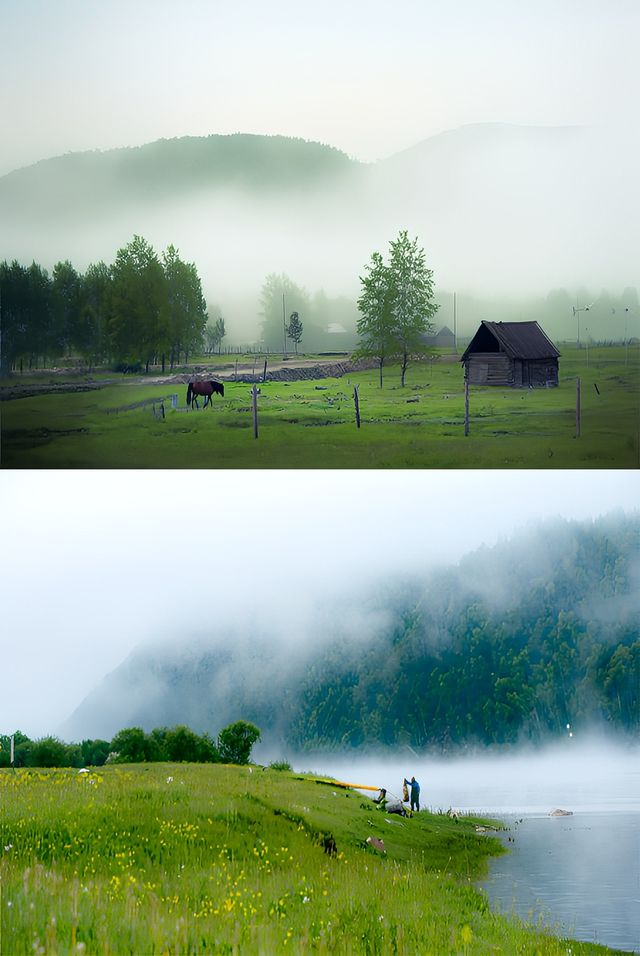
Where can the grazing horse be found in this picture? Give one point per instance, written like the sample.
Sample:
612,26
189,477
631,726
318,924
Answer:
208,389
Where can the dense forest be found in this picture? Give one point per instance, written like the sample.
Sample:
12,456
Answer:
516,642
512,644
141,309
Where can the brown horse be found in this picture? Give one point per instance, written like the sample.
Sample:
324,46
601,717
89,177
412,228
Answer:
208,389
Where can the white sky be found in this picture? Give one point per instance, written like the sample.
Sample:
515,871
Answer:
367,76
93,563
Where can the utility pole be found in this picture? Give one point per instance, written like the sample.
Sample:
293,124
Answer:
576,313
254,402
284,328
455,330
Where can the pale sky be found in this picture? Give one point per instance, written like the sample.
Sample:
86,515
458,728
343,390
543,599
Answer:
94,563
366,76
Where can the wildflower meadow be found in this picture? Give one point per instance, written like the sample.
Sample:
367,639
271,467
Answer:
185,858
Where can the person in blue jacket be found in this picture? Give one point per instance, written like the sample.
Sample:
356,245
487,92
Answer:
415,793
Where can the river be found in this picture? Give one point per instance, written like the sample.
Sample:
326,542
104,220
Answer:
577,874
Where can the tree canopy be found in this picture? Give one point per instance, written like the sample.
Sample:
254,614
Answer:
396,305
140,309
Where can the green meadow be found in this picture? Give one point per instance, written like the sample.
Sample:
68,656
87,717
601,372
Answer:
184,858
311,424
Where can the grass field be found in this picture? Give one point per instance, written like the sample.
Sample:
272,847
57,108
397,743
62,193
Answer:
311,424
181,859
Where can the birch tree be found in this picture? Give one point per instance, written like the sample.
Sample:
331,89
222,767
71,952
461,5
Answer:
396,305
412,303
375,325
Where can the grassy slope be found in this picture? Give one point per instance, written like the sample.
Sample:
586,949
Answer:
202,859
311,425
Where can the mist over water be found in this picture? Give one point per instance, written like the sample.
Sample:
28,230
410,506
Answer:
601,774
578,874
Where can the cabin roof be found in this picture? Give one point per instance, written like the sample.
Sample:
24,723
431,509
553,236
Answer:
521,340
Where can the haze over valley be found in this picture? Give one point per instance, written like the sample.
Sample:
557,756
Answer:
508,216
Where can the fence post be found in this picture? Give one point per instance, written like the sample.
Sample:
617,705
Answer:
466,407
357,404
254,393
578,407
264,374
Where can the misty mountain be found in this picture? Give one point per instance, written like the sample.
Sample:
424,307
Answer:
512,643
498,209
79,185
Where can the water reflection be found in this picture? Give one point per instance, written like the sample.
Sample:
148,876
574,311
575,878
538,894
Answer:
581,872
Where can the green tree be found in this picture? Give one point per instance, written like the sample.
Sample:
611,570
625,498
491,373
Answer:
139,326
92,340
376,323
294,329
214,334
49,752
412,303
95,752
187,309
66,297
42,338
236,740
132,745
396,305
14,314
183,745
278,294
5,747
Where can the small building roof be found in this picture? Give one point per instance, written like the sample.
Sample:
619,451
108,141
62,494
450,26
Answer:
521,340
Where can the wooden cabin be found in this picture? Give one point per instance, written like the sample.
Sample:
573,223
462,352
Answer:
518,354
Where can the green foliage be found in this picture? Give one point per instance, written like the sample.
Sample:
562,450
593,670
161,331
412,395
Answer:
236,740
66,300
412,298
139,318
95,752
514,644
186,308
214,334
294,329
183,744
396,305
375,327
136,310
279,293
131,746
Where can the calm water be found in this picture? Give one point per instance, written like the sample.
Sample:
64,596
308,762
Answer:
579,874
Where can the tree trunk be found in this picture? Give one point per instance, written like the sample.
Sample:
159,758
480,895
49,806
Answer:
405,360
381,364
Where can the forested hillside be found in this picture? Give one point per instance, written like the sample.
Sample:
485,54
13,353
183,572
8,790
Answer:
514,643
75,183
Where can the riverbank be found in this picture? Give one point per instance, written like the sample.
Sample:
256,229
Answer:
184,858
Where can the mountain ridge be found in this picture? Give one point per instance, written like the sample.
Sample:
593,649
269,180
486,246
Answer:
512,643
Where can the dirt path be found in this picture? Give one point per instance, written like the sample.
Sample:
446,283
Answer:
278,371
293,370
